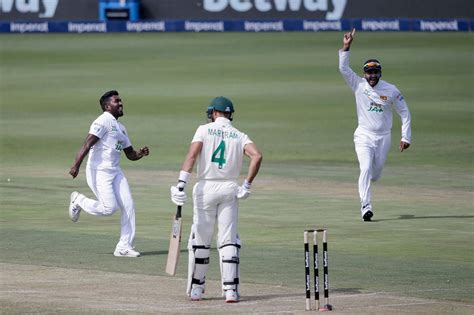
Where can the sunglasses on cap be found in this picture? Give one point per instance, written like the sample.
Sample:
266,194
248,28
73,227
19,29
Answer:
372,71
372,67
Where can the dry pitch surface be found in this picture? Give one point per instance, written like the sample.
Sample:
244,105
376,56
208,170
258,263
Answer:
49,290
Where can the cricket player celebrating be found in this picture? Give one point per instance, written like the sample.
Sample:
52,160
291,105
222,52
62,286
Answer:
218,148
375,99
105,141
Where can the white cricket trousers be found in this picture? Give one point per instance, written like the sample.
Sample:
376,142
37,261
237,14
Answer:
215,200
371,152
113,192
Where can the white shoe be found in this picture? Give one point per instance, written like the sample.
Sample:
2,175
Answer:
196,293
74,208
130,252
367,212
231,296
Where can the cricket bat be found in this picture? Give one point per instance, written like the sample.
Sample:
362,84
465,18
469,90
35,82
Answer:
175,243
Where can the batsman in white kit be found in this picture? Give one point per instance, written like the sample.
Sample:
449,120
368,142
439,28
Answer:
104,144
218,148
375,99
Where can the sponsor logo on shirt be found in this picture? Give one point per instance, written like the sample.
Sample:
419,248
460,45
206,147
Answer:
400,97
119,146
374,107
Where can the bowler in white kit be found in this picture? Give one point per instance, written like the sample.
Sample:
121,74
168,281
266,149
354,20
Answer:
105,142
375,99
218,148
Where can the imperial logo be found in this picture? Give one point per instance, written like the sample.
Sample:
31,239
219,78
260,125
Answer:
146,26
29,27
204,26
87,28
44,8
337,6
322,25
264,26
439,25
371,25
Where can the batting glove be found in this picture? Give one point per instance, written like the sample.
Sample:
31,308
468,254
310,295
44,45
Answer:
178,196
243,192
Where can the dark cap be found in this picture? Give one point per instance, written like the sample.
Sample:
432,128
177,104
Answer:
372,64
222,104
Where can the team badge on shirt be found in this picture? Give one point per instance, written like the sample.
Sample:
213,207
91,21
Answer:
96,128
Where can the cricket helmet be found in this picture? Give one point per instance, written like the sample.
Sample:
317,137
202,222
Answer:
372,64
220,104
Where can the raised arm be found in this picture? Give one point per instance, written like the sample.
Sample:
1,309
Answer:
347,40
351,78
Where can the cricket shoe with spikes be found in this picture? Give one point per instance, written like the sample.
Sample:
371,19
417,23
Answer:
129,252
74,208
196,293
367,213
231,296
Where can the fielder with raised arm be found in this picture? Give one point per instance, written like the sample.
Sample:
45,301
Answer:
375,99
218,148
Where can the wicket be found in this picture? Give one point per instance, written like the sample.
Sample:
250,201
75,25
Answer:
327,306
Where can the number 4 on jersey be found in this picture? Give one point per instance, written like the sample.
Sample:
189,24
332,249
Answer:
218,155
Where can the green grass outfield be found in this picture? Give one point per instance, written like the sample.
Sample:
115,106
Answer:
292,101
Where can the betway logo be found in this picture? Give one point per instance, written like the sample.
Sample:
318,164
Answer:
30,6
338,6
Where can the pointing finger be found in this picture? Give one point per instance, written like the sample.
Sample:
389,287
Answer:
353,32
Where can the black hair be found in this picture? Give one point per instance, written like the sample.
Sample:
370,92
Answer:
104,99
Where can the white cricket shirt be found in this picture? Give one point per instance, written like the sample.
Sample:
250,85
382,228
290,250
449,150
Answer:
374,104
222,151
113,138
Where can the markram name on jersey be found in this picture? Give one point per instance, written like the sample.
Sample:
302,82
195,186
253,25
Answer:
222,151
221,133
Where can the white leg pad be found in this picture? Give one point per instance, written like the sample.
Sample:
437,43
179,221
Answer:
229,261
198,265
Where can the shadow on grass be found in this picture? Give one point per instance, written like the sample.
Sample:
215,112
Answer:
247,298
412,216
347,290
264,297
159,252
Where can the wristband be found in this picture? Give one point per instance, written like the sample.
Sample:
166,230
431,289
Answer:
183,176
247,184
